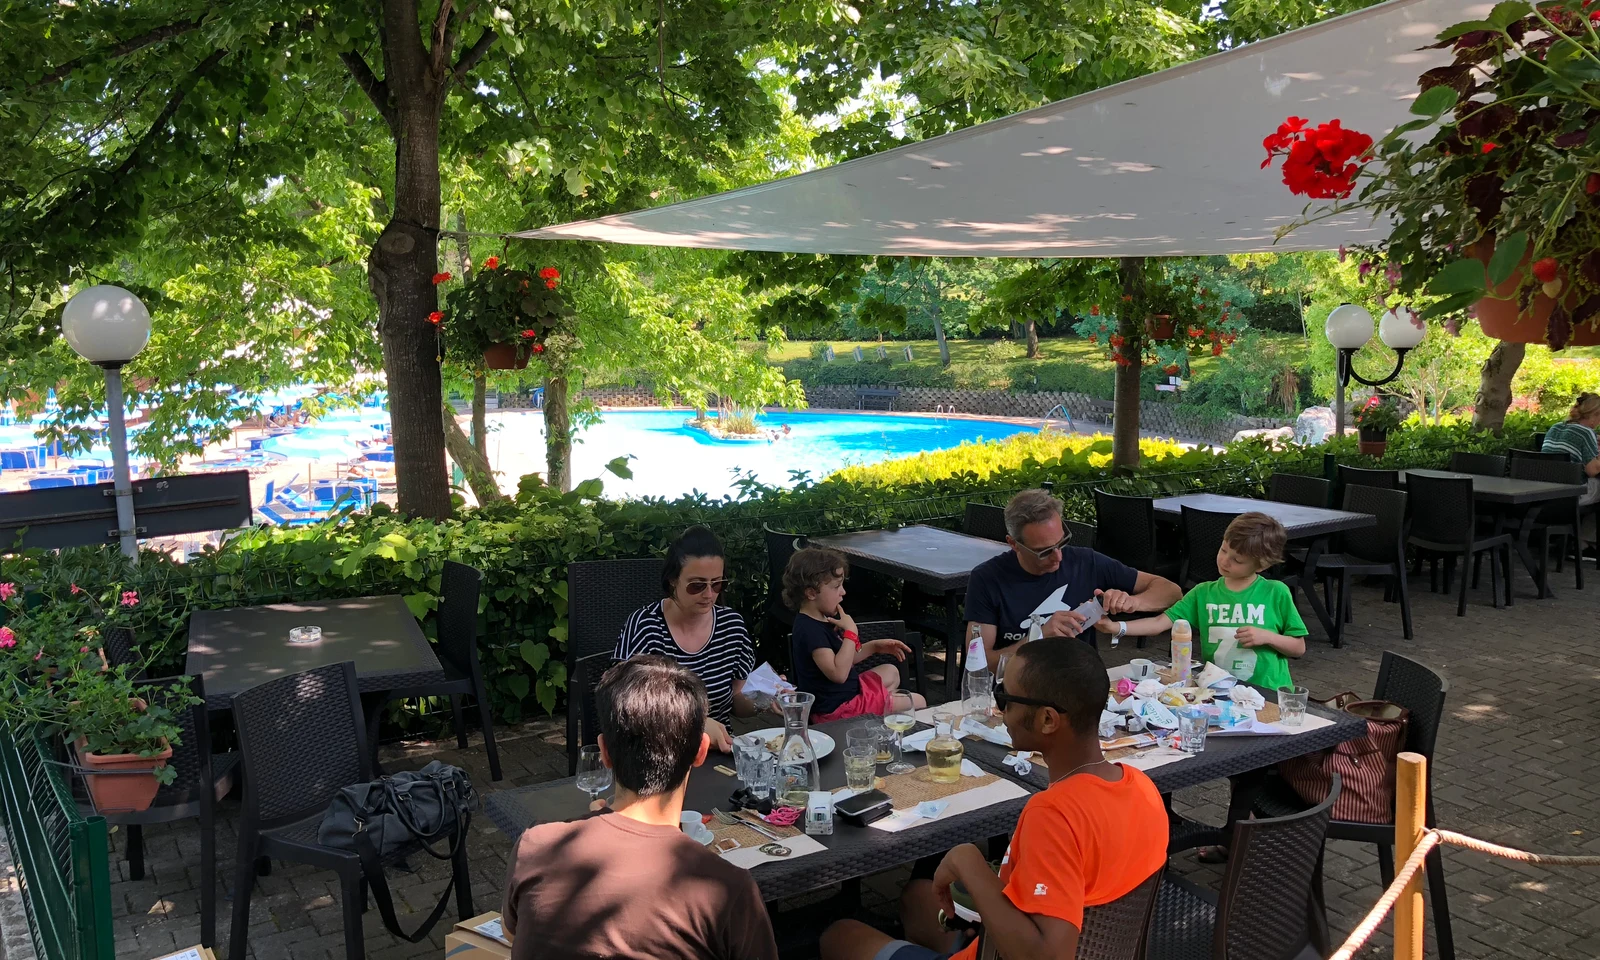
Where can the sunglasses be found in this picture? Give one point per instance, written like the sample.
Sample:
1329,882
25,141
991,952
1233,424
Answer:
1003,700
1043,553
696,587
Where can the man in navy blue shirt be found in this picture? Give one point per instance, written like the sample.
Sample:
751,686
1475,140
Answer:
1043,573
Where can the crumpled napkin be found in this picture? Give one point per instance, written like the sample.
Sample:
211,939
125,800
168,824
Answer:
1248,698
1021,762
1126,706
917,742
996,735
1148,688
970,769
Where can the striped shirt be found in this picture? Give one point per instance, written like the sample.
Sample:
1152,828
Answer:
727,658
1573,439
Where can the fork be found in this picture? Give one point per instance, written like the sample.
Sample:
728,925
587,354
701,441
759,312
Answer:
726,819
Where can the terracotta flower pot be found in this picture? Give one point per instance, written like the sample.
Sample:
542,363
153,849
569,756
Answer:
122,790
1372,442
1502,317
505,356
1158,327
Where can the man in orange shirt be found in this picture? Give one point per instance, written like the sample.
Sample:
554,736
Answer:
1099,831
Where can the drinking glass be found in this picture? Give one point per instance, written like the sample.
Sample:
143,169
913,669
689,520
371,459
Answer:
763,772
1000,664
863,736
1292,705
1192,730
594,777
900,719
861,766
745,749
979,702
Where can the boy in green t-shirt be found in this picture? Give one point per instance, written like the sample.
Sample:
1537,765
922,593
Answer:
1246,624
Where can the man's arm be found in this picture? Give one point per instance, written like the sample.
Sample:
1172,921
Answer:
1016,935
1153,594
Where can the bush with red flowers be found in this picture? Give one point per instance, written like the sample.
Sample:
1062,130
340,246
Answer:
1498,170
503,305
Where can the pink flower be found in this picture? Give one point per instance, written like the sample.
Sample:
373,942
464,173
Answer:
8,639
75,590
7,591
83,649
130,598
1343,253
1365,268
1392,274
38,655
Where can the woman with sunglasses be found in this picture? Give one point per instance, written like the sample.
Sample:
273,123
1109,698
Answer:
689,626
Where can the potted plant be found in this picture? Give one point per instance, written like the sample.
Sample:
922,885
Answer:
502,316
1376,419
123,734
1496,210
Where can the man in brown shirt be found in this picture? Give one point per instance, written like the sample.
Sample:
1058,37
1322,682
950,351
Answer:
627,882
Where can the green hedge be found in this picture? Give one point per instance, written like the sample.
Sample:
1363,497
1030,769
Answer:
524,545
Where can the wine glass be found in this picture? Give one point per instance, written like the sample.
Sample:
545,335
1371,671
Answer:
1000,665
594,777
900,719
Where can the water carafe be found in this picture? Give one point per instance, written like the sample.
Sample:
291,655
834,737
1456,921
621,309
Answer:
798,773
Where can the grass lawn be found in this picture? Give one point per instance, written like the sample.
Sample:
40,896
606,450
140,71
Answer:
1070,349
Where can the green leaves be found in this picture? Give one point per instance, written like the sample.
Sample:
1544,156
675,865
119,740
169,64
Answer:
1434,101
1507,254
1508,12
534,655
1462,276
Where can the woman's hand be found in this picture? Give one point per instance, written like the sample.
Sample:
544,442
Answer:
719,736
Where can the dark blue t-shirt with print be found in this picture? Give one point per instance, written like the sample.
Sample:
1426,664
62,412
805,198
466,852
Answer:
809,635
1002,593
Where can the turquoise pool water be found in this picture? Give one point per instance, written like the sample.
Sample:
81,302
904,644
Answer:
671,459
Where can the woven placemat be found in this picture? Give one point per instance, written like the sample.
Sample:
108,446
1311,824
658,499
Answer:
909,789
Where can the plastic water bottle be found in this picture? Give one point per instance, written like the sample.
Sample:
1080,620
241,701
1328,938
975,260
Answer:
1182,650
977,686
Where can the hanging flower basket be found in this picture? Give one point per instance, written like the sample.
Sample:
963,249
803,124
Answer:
1502,317
1159,326
506,356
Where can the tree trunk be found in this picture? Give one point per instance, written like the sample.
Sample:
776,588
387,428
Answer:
557,435
1033,339
1494,386
480,477
1125,418
938,329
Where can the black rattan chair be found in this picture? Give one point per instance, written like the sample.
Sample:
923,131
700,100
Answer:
1083,534
781,545
1267,906
1421,691
1360,476
911,668
1538,441
985,520
601,595
1112,931
580,688
457,649
122,650
1562,519
1517,454
200,781
302,740
1297,489
1125,530
1444,523
1483,464
1378,550
1202,538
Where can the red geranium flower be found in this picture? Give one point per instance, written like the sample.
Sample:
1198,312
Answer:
538,348
435,318
1321,162
550,284
1117,340
1196,332
1094,311
1592,187
1093,338
549,273
1216,349
529,334
491,263
439,278
524,285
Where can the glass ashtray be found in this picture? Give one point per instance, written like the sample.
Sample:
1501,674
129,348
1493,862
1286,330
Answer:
305,634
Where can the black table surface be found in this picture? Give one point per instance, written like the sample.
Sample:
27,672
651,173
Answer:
1299,521
938,559
239,648
1506,490
851,851
1223,756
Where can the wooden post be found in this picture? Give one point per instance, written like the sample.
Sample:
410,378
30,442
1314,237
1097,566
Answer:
1410,819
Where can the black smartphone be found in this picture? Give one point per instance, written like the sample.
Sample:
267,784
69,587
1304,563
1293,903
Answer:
864,808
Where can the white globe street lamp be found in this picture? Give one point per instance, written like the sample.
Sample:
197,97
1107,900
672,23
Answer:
1349,327
108,326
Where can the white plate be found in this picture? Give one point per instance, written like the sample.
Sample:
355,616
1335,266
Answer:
821,741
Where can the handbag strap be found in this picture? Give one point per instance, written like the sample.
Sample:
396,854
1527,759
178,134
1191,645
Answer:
372,869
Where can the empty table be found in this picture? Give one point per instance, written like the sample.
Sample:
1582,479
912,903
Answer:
1315,524
939,561
239,648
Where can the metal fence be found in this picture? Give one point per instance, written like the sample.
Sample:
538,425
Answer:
62,859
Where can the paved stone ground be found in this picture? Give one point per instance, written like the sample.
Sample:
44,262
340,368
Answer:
1515,765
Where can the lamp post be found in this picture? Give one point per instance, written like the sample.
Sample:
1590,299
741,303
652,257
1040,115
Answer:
1349,327
108,326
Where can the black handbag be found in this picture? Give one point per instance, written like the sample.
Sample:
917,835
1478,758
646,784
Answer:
396,813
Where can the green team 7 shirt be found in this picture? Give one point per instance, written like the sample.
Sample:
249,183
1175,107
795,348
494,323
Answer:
1215,613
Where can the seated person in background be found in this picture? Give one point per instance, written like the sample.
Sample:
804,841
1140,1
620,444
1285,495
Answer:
1252,617
628,882
1575,438
1097,833
1004,592
691,628
827,647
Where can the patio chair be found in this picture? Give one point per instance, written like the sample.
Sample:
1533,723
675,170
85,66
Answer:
1202,538
1516,454
985,520
911,675
1483,464
1444,523
202,779
457,648
1421,691
1298,489
122,649
1267,904
1378,551
1082,533
1117,930
1556,518
601,595
581,684
1125,530
45,483
302,741
781,545
1360,476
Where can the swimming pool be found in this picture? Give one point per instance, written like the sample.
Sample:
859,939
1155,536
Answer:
671,459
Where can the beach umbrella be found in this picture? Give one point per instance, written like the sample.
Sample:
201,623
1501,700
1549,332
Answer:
303,446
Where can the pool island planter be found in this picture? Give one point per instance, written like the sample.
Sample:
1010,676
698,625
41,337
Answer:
710,427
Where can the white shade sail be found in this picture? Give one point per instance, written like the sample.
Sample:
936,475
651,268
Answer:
1164,165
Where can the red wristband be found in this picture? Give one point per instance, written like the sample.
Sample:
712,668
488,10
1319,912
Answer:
852,636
